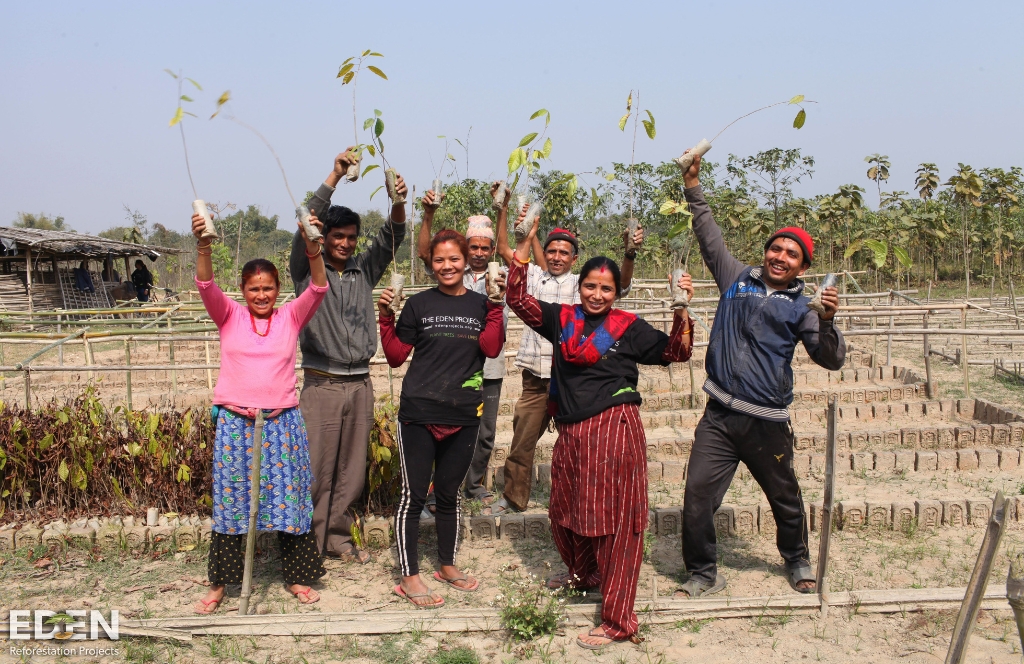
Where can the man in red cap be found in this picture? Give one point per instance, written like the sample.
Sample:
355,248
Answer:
550,279
762,315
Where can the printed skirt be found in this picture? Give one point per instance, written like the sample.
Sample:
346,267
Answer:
285,474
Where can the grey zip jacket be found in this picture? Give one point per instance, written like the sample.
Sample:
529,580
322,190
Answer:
342,337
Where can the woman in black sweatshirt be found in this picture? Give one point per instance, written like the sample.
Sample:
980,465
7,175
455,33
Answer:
598,507
452,329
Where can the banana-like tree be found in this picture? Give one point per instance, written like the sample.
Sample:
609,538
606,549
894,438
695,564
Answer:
878,172
966,187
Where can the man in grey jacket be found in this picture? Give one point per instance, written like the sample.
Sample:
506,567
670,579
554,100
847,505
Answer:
337,395
762,315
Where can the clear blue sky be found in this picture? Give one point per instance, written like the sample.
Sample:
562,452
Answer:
86,102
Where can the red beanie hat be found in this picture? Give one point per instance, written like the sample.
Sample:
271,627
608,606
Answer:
798,235
562,234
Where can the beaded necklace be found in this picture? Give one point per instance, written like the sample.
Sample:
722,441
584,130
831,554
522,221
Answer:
253,320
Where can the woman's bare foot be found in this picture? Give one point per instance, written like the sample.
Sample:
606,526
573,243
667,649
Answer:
418,593
305,594
211,602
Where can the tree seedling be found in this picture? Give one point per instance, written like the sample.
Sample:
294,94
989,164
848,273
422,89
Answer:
686,160
632,222
301,211
199,206
527,157
349,73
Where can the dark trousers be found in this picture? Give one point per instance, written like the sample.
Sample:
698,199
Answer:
301,562
450,459
338,411
722,439
484,440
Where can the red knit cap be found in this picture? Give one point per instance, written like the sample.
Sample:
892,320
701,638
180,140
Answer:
562,234
798,235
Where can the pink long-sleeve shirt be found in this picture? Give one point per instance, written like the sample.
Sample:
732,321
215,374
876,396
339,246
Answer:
258,371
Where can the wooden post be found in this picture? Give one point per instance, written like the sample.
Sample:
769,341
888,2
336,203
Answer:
929,386
28,389
255,485
28,280
88,356
992,293
978,583
892,324
963,356
128,373
825,527
928,298
874,342
1015,592
60,348
209,372
671,366
170,352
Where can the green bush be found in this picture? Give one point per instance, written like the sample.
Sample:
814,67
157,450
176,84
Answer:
527,608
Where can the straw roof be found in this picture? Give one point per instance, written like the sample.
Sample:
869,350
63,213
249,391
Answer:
66,245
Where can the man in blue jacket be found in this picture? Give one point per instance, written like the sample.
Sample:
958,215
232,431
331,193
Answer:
761,317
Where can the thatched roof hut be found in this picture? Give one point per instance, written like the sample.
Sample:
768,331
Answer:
54,257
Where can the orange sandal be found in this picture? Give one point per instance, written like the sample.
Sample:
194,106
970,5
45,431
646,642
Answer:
206,610
303,596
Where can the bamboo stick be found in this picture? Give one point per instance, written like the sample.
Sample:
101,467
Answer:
255,484
821,578
963,351
128,373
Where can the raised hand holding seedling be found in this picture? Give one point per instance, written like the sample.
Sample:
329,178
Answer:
342,163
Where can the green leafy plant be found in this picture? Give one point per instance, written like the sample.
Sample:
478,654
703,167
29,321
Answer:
527,609
649,129
532,149
878,172
62,620
966,188
349,72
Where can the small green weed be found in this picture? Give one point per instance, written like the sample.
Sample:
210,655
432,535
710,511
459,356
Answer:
527,609
456,655
692,625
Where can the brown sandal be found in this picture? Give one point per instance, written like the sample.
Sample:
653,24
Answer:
411,597
206,610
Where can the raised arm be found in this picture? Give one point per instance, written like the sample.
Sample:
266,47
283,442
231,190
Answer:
390,237
723,265
541,316
298,264
395,350
217,304
504,250
426,229
628,258
492,338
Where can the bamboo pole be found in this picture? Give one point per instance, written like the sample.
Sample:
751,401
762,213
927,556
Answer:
963,356
88,358
825,528
255,484
929,384
128,373
892,324
28,389
979,581
1015,593
209,372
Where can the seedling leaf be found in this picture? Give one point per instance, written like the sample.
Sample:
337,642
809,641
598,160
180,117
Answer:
377,71
375,191
545,113
450,156
192,81
797,99
178,115
610,177
186,98
346,68
516,160
372,150
369,168
367,123
378,128
376,113
853,248
175,76
62,470
546,150
798,121
526,140
649,128
880,249
622,121
680,227
348,78
366,53
629,102
375,54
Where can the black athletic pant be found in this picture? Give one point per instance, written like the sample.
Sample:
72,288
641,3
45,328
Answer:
449,458
722,439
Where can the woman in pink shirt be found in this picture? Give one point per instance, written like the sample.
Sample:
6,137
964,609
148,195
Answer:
258,346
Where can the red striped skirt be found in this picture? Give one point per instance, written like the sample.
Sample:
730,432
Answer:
599,473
